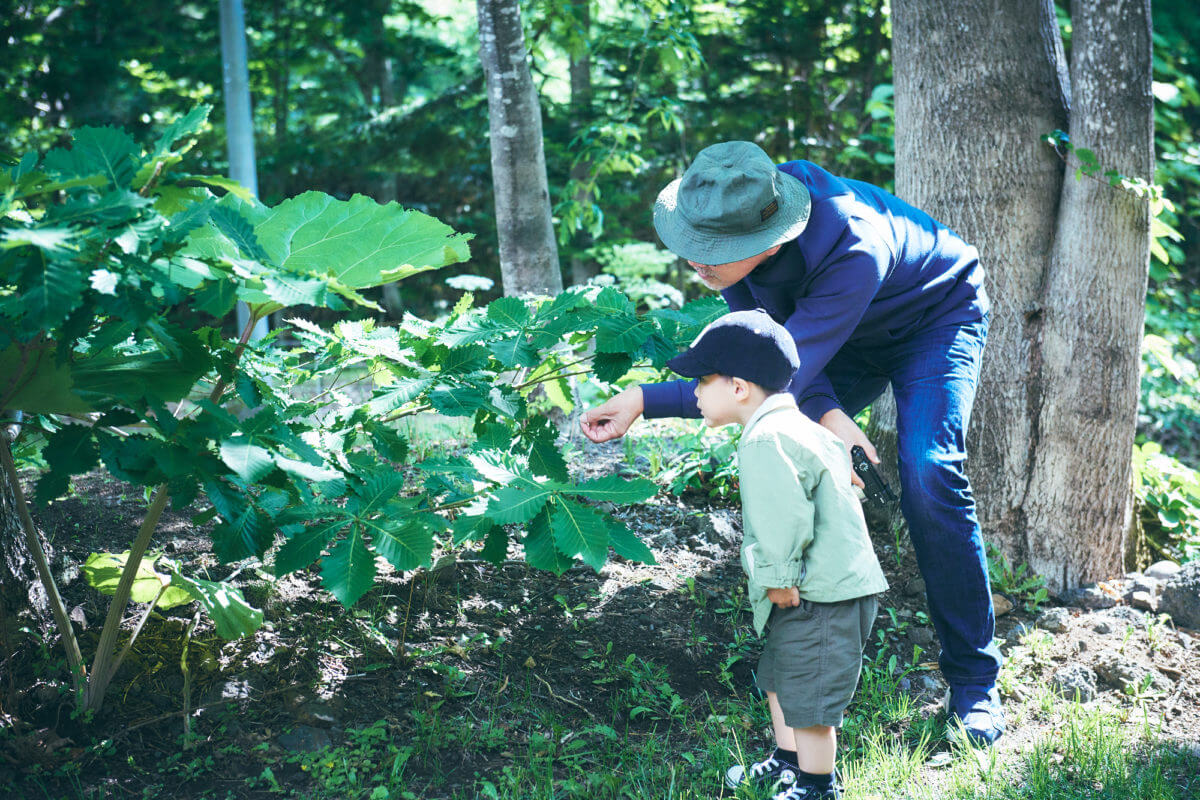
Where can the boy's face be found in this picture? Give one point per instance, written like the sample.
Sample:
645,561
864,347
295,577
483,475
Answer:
717,398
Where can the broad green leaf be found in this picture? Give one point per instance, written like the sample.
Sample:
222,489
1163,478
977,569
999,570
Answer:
231,186
611,301
226,606
103,573
240,231
71,450
495,548
357,241
184,126
628,545
399,393
249,460
288,289
37,383
458,402
610,367
463,359
520,501
580,531
107,151
623,334
510,313
546,459
308,472
406,543
540,551
304,546
514,352
390,444
348,572
379,489
52,290
615,489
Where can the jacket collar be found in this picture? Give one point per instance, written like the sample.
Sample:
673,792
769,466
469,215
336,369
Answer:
773,402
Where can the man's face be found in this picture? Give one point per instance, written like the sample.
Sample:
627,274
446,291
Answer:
722,276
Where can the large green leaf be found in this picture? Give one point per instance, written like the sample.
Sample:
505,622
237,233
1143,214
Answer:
582,531
540,550
71,450
226,606
37,383
103,573
304,546
357,241
107,151
520,501
406,543
348,572
628,545
249,460
615,489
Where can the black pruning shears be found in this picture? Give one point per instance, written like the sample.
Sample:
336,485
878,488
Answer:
874,486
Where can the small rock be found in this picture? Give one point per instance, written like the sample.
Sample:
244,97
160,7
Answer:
1127,615
1075,682
1119,672
717,527
1181,596
1102,627
921,636
1081,646
304,739
665,540
1185,641
316,713
1001,604
79,617
1162,570
1137,582
915,587
1054,620
1089,596
1142,600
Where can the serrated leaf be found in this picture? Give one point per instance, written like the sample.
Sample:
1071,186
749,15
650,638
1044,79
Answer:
658,349
458,402
304,546
463,359
615,489
610,367
471,529
390,444
622,334
399,393
611,301
52,291
188,124
540,551
249,460
225,605
627,545
71,450
514,352
510,313
546,459
103,573
239,230
359,242
406,544
107,151
495,548
348,572
518,502
580,531
288,289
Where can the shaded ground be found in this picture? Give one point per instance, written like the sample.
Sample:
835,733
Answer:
458,663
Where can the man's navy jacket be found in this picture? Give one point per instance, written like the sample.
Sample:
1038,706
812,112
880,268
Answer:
869,269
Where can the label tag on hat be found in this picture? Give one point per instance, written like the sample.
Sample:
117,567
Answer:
769,210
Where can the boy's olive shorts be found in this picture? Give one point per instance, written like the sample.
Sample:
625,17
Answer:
813,656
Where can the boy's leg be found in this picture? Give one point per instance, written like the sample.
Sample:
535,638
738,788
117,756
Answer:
784,738
816,748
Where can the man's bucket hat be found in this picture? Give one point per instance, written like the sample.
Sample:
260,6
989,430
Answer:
742,344
730,204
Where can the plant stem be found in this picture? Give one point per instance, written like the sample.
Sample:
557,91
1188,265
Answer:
102,671
70,642
408,412
548,378
125,650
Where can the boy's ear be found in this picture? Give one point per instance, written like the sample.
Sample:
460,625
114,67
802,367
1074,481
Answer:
741,388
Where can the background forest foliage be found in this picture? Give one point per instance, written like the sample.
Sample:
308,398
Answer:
387,99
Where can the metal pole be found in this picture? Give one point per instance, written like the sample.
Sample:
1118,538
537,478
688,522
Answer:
239,125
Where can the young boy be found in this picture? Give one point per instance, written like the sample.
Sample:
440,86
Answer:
813,575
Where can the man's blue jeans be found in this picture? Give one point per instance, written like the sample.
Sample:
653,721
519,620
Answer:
934,375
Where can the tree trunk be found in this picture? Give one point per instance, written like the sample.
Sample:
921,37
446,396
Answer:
379,69
580,72
977,86
23,600
528,254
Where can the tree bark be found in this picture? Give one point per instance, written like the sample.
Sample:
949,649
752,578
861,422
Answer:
580,72
528,253
977,86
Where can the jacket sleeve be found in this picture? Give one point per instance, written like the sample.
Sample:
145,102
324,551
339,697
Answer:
831,307
777,516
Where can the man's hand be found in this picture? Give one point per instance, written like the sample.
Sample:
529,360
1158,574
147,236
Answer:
784,598
843,427
611,419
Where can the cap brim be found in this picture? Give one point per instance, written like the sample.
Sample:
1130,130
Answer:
689,366
703,247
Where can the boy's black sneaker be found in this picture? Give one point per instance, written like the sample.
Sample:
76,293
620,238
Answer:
802,791
771,773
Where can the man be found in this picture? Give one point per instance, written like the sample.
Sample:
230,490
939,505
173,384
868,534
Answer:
873,291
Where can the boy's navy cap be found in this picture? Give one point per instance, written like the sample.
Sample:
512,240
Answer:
742,344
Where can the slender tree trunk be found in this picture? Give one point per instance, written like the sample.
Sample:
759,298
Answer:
580,72
977,86
22,597
528,253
